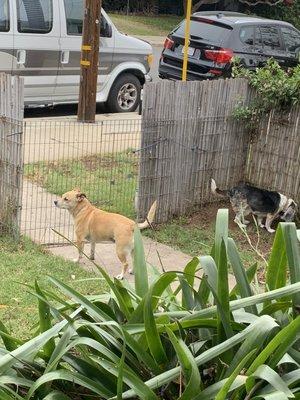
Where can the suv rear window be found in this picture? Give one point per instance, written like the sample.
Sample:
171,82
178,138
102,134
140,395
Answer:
4,16
209,32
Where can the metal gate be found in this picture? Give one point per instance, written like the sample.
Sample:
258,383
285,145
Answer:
11,128
60,154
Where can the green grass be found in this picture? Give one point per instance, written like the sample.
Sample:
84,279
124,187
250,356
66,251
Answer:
20,264
145,26
109,181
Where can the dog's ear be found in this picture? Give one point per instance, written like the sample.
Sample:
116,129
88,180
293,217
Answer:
80,196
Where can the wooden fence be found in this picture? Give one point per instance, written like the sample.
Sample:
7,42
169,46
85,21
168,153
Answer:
274,155
190,136
11,116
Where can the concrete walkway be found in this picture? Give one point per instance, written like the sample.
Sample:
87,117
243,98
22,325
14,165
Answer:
156,254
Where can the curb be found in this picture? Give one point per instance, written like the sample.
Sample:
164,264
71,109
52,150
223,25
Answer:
153,40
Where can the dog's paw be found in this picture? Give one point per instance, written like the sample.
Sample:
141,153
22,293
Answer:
92,257
120,277
131,271
76,260
271,230
261,225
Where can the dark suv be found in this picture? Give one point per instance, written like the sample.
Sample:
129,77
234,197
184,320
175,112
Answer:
215,38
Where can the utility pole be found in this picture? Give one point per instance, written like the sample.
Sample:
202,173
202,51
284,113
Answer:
89,61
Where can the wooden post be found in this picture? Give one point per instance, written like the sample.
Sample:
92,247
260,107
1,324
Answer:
89,61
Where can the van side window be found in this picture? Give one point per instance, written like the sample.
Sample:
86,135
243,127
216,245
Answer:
35,16
291,39
4,16
74,18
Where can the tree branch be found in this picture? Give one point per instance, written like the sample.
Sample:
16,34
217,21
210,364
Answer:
255,3
202,2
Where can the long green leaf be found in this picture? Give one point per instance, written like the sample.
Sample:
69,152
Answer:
267,374
45,321
140,266
227,385
240,303
211,392
133,381
272,396
221,234
240,273
250,274
56,395
210,271
8,341
293,257
188,365
63,375
277,347
277,264
255,339
224,328
151,299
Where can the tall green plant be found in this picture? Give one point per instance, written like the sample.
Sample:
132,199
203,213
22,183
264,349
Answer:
148,342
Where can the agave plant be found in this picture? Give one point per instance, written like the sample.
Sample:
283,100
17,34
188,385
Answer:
176,335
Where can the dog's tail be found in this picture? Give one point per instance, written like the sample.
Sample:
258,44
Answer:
216,190
150,217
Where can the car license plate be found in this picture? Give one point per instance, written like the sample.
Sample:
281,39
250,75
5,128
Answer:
191,51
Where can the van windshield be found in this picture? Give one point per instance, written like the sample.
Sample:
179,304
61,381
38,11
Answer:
4,16
205,31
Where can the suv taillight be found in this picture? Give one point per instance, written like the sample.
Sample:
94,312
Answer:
222,56
169,43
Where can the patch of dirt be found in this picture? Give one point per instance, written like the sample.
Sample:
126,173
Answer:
94,162
205,218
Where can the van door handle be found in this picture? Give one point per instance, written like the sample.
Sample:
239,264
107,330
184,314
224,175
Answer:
21,57
65,57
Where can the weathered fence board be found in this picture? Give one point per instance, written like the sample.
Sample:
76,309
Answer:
189,136
274,155
11,115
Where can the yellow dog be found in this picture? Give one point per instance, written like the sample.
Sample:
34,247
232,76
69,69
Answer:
97,226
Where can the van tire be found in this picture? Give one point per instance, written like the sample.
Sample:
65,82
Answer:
125,94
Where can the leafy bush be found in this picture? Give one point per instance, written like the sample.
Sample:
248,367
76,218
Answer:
176,336
276,89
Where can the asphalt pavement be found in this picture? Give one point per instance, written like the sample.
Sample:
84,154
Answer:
71,109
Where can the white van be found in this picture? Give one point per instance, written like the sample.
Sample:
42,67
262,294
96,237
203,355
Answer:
41,41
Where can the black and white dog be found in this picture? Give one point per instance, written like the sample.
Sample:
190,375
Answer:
246,199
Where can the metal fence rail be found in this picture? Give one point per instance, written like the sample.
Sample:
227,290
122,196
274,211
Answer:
59,155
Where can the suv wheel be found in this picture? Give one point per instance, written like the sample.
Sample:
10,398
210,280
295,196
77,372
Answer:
125,94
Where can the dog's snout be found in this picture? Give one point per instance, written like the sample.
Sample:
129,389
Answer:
55,202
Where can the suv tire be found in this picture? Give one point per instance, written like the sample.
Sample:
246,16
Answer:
125,94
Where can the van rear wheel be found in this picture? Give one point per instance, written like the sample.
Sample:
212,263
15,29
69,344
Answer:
125,94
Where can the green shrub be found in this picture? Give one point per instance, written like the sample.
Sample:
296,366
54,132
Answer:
275,89
172,336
